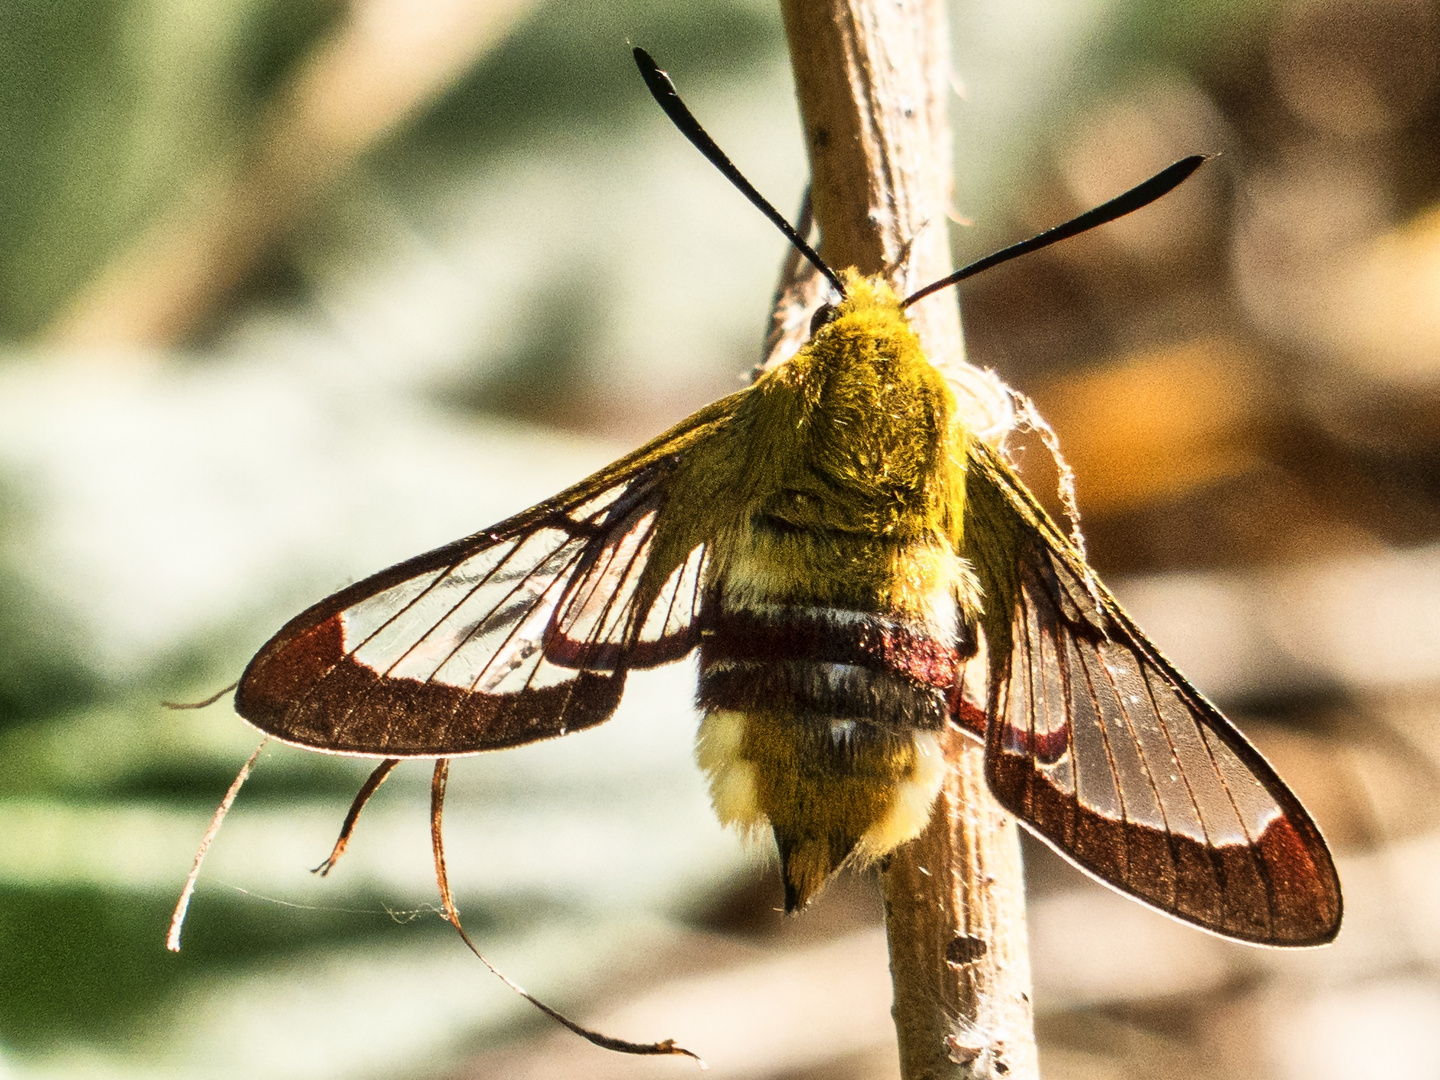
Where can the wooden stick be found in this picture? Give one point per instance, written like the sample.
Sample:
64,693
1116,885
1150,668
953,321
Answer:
872,77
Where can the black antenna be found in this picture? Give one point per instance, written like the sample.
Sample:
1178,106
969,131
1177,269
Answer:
665,94
1140,195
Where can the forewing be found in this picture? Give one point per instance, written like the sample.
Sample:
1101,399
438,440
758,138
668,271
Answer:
1103,749
519,633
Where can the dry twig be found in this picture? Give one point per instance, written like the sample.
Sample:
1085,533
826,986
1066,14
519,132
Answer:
873,77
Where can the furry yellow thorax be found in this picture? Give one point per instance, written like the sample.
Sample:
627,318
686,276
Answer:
854,446
857,434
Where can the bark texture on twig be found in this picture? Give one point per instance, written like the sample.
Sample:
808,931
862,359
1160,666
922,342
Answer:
872,77
955,920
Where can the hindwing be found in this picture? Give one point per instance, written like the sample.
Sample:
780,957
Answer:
1103,749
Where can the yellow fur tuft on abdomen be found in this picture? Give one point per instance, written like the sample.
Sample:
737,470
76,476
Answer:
773,769
733,792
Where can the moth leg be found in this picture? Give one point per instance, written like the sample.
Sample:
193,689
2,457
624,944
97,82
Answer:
177,920
452,916
437,841
362,797
178,705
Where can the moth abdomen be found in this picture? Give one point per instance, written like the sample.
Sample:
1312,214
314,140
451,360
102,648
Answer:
823,688
927,655
820,724
830,662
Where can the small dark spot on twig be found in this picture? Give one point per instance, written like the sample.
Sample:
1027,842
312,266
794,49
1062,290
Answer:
964,949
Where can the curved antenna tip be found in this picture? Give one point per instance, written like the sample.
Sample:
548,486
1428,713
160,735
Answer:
666,96
1142,194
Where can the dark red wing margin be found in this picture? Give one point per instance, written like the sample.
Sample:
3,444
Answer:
518,633
1103,749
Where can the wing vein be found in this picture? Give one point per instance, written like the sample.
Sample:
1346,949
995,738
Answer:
1144,763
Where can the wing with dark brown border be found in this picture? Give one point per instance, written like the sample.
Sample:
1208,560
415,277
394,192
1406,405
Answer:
518,633
1103,749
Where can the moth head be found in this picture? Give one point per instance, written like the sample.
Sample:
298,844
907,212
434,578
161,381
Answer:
663,90
824,315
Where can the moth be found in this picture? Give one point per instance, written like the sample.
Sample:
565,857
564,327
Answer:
837,545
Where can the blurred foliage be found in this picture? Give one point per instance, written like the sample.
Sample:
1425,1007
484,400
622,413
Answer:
97,971
112,107
1205,36
1211,433
43,672
43,668
569,62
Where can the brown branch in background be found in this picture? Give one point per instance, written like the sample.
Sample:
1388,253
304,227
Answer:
385,61
872,77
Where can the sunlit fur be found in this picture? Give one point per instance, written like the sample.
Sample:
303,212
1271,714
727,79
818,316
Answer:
729,742
838,482
733,792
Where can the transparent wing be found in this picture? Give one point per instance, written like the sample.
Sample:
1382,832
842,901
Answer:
518,633
1103,749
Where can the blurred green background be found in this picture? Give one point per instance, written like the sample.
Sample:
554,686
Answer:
292,289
